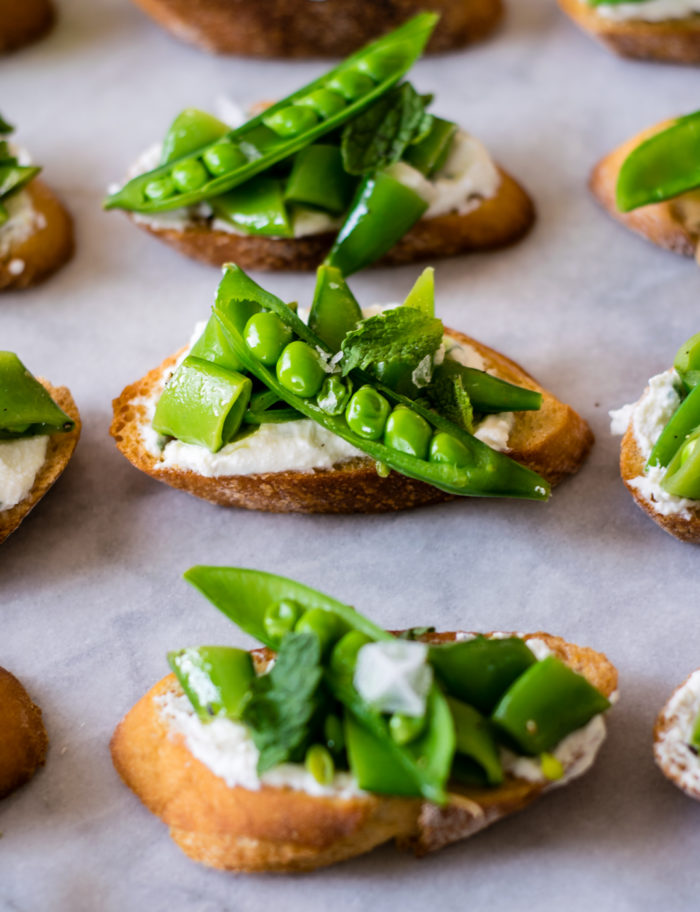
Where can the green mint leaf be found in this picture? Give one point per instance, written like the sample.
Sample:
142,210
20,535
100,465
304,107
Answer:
378,137
401,335
448,396
283,703
5,127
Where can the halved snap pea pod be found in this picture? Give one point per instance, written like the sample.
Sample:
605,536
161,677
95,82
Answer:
26,408
216,679
283,129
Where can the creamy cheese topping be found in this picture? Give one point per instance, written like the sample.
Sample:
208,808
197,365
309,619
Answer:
23,221
467,177
20,461
649,417
648,10
671,751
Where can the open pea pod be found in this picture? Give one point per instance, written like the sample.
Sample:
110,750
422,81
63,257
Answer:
663,166
487,474
283,129
26,408
244,596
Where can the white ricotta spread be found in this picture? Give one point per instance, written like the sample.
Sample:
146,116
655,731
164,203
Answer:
23,221
576,754
20,461
671,751
649,417
468,176
648,10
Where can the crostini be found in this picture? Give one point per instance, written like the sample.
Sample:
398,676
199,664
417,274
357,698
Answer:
664,30
660,454
307,28
24,741
39,429
351,411
337,736
36,232
23,21
677,737
351,168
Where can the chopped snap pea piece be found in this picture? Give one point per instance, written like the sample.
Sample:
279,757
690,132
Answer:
682,423
257,206
430,154
334,310
319,180
687,362
475,739
682,477
26,408
216,679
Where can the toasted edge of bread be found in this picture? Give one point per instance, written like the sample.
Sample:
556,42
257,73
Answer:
300,28
672,41
659,223
58,453
282,830
46,249
632,463
496,222
24,741
553,441
673,769
23,21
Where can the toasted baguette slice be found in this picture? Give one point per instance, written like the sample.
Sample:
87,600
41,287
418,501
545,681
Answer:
302,28
661,223
24,741
673,40
46,249
282,830
632,462
553,441
23,21
58,453
496,222
676,759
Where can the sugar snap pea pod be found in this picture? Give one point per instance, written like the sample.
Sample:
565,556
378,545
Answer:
684,420
216,679
474,738
245,595
318,179
367,234
291,124
479,671
545,704
191,130
687,362
489,473
334,311
202,404
488,394
213,346
430,154
663,166
26,408
683,475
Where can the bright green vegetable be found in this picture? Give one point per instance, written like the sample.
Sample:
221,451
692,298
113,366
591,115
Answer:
334,395
291,121
545,704
682,477
159,189
13,176
318,179
447,449
189,175
223,157
319,763
475,739
407,432
257,206
300,370
430,154
216,679
367,413
683,421
404,729
213,346
422,296
266,336
663,166
402,336
334,311
334,734
328,627
26,408
324,102
487,394
344,655
190,130
351,84
202,404
281,617
687,362
695,736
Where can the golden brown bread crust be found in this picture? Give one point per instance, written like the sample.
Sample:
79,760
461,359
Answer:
553,441
659,223
58,453
24,741
281,830
674,770
302,28
673,40
23,21
47,248
496,222
631,467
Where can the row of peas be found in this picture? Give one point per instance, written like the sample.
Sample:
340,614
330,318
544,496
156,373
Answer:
302,115
368,413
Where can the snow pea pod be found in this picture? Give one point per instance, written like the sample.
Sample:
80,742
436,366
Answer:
275,134
474,738
26,408
216,679
663,166
545,704
683,421
683,475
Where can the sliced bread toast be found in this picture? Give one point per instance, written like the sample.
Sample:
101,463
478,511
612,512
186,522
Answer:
278,829
675,756
23,21
553,441
24,740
